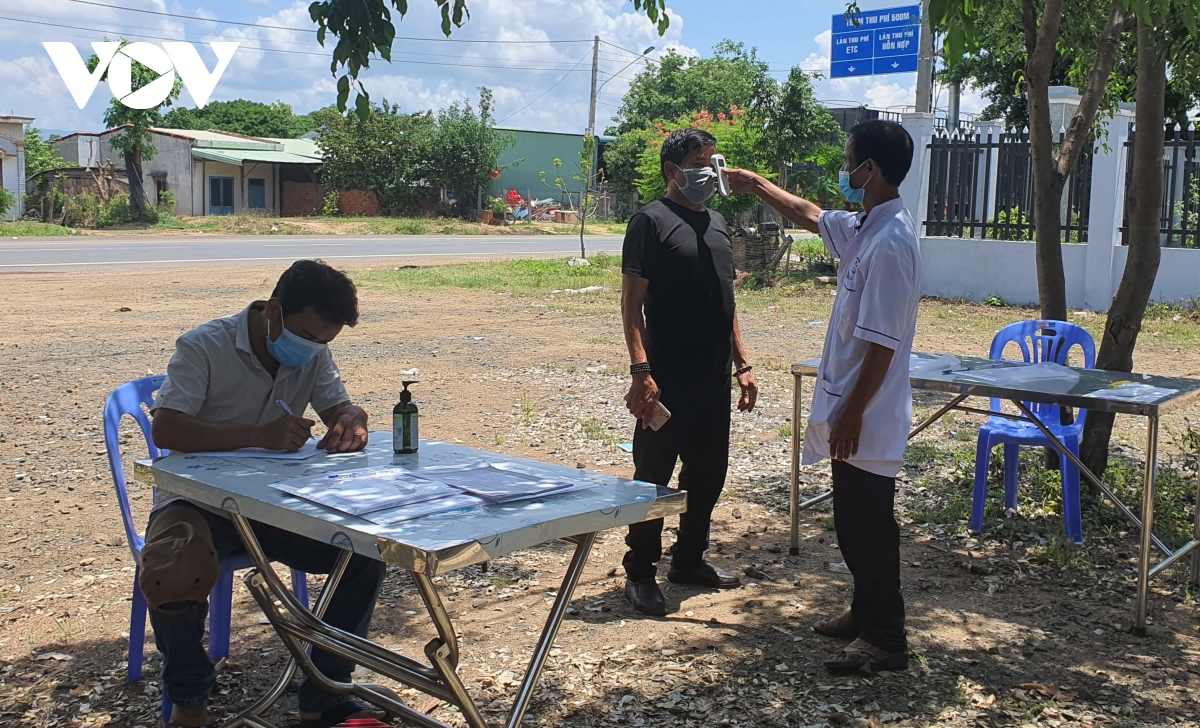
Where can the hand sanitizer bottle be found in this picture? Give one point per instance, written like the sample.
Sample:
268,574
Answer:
404,423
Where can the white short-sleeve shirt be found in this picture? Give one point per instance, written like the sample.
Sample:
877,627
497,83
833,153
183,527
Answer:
879,287
215,376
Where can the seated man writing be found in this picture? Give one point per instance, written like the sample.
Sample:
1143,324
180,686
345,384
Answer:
222,392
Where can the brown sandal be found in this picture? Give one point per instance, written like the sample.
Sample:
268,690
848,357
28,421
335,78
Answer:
841,627
859,654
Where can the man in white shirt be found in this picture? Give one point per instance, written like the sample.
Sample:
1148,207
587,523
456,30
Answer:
222,392
862,407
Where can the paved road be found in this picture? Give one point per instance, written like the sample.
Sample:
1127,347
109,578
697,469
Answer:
48,254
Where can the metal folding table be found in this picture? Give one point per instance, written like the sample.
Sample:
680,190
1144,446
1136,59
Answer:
425,547
962,386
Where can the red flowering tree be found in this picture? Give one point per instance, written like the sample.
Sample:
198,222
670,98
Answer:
738,141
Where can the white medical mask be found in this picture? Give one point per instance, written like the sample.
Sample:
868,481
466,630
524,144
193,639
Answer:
701,184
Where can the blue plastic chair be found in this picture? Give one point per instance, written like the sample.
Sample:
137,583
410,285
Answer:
128,400
1039,341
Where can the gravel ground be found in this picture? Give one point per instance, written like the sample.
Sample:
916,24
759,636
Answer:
1008,628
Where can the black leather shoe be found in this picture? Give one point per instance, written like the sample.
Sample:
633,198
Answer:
645,596
703,574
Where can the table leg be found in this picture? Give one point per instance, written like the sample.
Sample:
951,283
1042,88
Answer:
1139,623
1196,537
583,547
249,716
794,502
1084,472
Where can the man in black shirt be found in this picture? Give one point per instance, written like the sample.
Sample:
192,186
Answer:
682,332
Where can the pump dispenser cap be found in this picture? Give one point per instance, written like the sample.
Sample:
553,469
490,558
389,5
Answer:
405,395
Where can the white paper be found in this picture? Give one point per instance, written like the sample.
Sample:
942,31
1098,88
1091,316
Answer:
366,490
308,450
424,508
925,367
1132,392
1043,376
498,482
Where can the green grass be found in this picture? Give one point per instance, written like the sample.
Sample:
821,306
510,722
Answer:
594,429
528,407
31,230
785,432
517,276
248,223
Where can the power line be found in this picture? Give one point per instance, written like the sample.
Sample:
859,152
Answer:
556,83
282,50
305,30
131,30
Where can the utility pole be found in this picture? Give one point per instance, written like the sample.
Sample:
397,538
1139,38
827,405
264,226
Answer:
953,110
591,128
925,63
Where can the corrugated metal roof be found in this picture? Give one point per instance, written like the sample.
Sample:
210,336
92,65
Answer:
239,156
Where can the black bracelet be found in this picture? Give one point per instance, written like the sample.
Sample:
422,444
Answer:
744,370
642,367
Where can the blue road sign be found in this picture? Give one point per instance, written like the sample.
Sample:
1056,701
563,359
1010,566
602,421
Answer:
884,41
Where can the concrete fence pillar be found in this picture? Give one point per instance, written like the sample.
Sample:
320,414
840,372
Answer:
1107,212
915,188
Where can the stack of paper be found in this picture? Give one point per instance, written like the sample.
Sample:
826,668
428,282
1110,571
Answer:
1132,392
500,482
380,495
388,495
308,450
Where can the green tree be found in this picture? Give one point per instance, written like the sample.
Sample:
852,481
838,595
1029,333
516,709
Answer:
135,142
1042,26
1165,33
6,201
364,28
252,118
387,153
738,141
39,155
798,130
678,85
622,159
997,68
466,147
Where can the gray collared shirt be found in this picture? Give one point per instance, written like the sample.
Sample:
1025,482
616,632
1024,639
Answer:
215,376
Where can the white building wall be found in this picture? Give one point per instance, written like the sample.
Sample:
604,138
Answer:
13,182
975,269
173,158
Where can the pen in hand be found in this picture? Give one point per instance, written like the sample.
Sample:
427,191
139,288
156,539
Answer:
287,410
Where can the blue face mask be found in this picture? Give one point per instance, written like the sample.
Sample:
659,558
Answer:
853,195
291,350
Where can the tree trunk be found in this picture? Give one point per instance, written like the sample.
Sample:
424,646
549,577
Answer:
582,220
1040,41
1141,266
1051,169
137,192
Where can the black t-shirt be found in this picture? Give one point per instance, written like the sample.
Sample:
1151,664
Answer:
687,257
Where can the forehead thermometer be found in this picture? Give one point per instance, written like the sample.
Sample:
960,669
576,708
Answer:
718,165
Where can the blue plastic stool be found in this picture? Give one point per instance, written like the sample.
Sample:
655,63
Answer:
1039,341
132,399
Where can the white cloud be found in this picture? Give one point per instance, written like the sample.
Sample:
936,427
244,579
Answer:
422,75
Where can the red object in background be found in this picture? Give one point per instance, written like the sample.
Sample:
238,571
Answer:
362,723
513,197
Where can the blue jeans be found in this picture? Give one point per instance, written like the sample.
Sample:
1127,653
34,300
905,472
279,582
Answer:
188,674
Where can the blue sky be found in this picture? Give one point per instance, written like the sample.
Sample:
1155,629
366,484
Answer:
542,85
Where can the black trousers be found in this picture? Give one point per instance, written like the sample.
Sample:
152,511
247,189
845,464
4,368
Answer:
698,435
869,538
